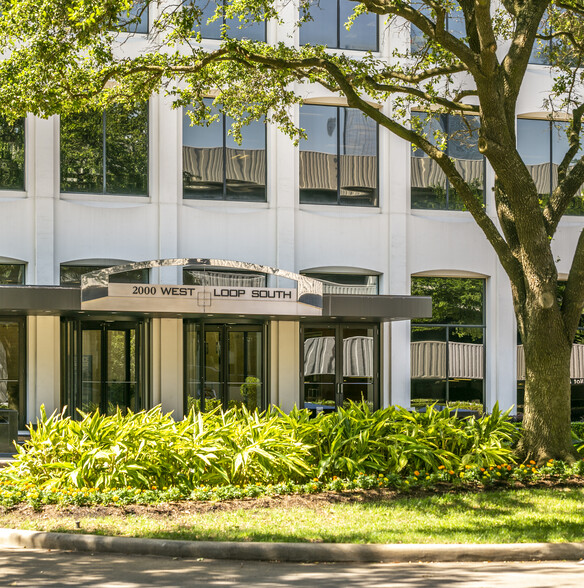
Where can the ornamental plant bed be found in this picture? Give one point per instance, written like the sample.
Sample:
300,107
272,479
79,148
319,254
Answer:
543,510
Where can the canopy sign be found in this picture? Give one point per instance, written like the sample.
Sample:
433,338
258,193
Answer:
98,294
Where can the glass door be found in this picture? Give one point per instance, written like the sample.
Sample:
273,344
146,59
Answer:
104,366
224,365
340,365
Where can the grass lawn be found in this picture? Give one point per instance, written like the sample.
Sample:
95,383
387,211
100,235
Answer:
502,516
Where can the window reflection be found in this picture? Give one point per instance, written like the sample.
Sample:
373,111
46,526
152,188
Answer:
70,275
327,26
12,274
347,283
454,24
447,350
430,189
105,153
12,369
135,20
199,277
234,28
542,145
11,154
338,160
215,167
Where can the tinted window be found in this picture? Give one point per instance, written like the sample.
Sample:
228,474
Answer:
447,351
327,26
255,31
71,275
11,273
11,154
430,189
542,145
338,160
215,167
105,153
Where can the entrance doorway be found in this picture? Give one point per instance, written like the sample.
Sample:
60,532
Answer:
104,365
340,365
224,365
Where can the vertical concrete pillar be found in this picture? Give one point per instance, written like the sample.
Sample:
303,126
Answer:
43,365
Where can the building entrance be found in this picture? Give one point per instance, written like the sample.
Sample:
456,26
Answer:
224,365
104,365
340,364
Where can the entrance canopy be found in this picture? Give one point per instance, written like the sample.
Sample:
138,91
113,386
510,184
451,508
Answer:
98,295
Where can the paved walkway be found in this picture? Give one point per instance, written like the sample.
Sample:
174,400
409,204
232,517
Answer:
37,567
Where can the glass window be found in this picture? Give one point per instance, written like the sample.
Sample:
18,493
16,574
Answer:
542,145
203,277
215,167
13,367
338,160
135,20
454,25
347,283
255,31
447,350
11,274
327,26
430,188
11,154
71,275
105,152
340,365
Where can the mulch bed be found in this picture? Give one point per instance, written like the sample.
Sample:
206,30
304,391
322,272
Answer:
165,511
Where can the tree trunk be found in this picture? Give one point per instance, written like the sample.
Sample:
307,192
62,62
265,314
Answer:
546,420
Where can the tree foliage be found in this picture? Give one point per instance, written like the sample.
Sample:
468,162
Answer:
72,55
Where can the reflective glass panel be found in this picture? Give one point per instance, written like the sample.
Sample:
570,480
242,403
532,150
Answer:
236,29
10,368
200,277
319,367
318,155
428,182
91,387
192,365
126,148
358,158
454,300
245,164
82,153
358,364
120,381
428,364
203,161
119,138
11,155
362,35
213,368
244,379
11,273
347,283
533,144
71,275
136,19
322,29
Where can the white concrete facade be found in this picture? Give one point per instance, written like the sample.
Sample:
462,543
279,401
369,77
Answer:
42,228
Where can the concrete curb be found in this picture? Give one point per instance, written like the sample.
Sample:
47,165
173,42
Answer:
294,552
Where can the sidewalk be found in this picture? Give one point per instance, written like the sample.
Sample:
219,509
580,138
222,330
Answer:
295,552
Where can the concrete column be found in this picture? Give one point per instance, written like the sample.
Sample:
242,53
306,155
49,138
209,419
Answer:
285,364
171,366
43,365
501,344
